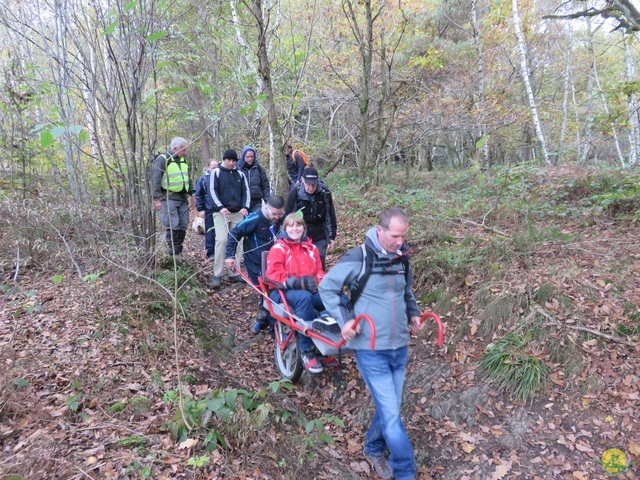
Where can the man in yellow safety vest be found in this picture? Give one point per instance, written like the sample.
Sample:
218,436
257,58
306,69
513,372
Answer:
173,193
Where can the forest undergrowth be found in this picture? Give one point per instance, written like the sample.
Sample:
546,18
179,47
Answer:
109,373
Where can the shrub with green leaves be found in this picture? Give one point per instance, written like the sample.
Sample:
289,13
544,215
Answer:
510,368
198,414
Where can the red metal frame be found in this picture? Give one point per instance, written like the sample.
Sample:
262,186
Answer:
438,321
263,288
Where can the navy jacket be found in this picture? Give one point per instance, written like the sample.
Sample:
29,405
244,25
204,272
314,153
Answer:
228,189
258,233
204,202
294,169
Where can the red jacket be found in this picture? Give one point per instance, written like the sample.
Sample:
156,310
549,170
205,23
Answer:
291,259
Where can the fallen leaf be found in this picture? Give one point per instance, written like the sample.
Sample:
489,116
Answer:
580,475
583,448
634,448
188,443
501,471
170,460
467,438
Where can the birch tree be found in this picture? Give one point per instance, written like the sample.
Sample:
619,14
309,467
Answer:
480,83
632,104
598,84
565,95
524,68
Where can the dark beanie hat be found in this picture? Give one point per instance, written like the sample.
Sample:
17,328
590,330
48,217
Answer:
230,154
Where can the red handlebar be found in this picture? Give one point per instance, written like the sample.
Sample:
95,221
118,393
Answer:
372,338
438,321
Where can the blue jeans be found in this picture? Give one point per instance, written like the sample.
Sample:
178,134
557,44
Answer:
304,303
383,371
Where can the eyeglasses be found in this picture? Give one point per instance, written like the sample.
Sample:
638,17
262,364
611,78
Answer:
278,214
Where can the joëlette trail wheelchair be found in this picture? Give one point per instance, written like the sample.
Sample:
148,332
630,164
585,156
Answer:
323,331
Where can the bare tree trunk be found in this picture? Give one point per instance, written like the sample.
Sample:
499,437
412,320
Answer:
605,105
565,97
364,40
202,125
261,14
634,133
60,69
480,86
130,65
587,141
524,67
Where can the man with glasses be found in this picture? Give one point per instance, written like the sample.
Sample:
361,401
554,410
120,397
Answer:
258,230
229,191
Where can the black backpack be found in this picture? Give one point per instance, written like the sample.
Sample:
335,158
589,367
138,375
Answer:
368,260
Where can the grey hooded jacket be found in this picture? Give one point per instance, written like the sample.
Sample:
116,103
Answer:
387,296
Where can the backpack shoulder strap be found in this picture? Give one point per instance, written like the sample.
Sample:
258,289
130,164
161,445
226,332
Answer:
361,280
359,283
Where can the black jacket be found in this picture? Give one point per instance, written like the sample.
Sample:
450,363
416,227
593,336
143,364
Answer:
256,176
317,210
294,169
229,189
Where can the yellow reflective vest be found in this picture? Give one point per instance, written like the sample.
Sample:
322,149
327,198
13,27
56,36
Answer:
176,175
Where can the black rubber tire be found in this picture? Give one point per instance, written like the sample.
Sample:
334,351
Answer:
288,363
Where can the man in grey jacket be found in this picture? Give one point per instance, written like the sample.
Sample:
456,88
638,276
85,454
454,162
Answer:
386,296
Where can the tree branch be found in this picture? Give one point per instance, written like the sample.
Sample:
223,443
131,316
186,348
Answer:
611,338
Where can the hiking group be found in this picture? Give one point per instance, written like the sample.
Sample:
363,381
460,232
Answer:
244,218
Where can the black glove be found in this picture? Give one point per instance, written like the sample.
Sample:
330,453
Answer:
293,283
302,283
309,283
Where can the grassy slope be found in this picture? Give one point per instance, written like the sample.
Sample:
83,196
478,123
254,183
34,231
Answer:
549,256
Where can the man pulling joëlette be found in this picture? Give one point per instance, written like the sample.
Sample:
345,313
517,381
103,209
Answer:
387,297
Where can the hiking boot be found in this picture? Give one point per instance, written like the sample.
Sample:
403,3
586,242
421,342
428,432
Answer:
234,277
216,282
380,465
311,363
259,326
263,315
